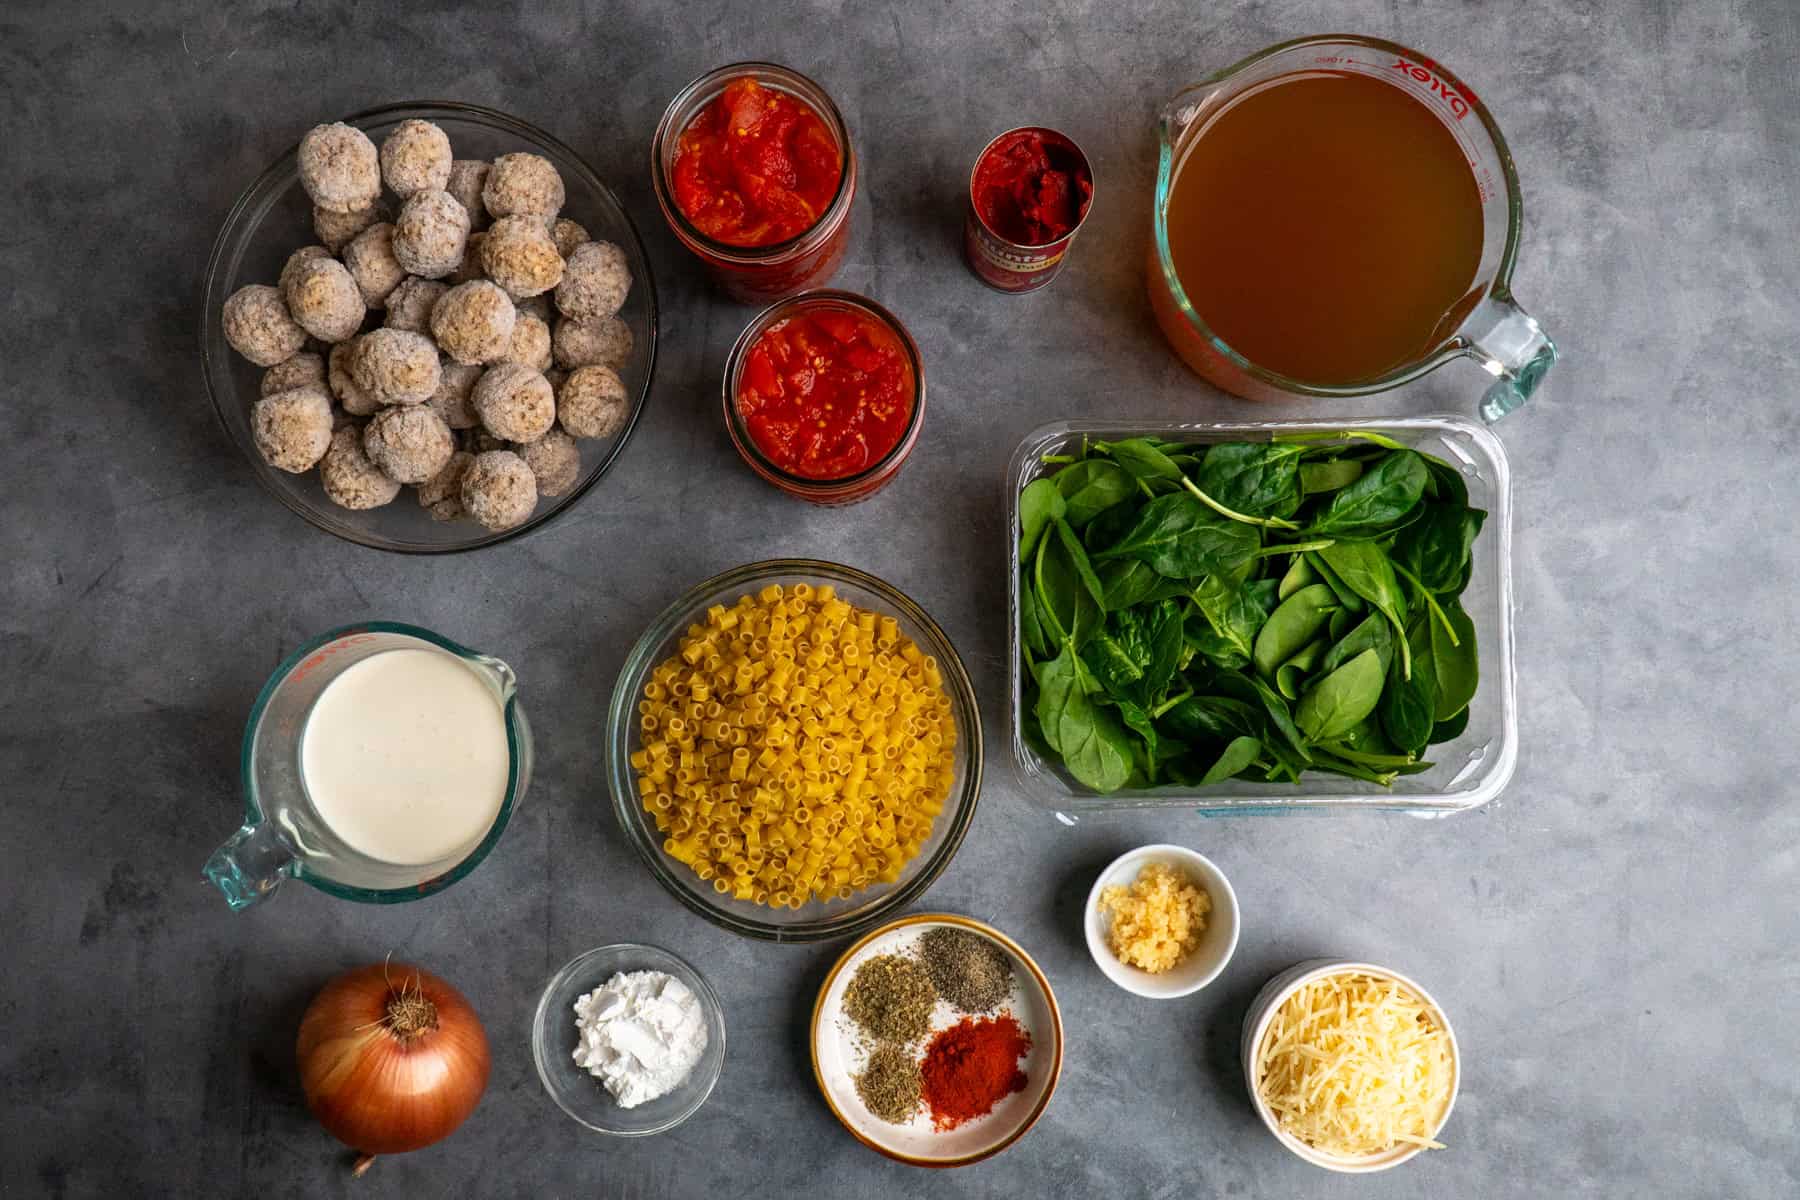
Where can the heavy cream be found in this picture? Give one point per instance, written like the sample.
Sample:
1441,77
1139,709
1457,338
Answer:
404,757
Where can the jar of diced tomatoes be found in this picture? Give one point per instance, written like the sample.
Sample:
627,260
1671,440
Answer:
825,396
755,173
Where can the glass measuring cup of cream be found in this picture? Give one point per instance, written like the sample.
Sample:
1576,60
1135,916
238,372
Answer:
380,763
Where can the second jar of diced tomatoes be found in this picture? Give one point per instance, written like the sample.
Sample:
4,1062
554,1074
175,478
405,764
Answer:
755,174
825,395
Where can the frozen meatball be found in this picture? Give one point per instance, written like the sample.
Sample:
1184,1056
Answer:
370,260
517,254
530,344
452,400
467,175
396,367
350,479
441,495
324,300
258,326
336,229
601,343
339,168
524,184
430,234
299,370
594,282
409,305
473,322
471,264
555,461
408,444
498,489
296,260
593,402
514,402
341,376
415,158
292,429
567,235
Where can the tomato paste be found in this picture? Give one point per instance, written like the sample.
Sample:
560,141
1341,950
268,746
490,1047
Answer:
1032,187
826,393
755,167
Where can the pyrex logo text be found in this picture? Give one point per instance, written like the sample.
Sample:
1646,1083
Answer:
1457,104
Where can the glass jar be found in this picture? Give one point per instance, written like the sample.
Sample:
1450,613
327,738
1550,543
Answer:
758,274
850,488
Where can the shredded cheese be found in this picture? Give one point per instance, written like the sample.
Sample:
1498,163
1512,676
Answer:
1355,1065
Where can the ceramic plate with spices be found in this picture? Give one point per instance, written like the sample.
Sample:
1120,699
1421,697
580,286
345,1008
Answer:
936,1040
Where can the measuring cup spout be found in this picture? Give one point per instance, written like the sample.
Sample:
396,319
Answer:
250,866
1510,345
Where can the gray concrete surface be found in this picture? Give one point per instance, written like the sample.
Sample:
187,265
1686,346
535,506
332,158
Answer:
1615,936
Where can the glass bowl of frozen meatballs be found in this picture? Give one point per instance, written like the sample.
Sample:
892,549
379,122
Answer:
429,327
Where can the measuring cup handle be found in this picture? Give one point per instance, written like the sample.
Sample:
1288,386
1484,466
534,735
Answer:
1510,345
250,866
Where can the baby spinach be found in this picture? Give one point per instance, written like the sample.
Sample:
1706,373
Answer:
1291,626
1377,500
1092,486
1338,701
1039,504
1194,613
1181,538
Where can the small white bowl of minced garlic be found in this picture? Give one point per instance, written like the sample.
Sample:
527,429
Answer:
1162,921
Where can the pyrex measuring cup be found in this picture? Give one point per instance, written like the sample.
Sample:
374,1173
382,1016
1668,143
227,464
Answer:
283,834
1486,325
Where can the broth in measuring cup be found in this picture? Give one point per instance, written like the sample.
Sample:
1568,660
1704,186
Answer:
1327,227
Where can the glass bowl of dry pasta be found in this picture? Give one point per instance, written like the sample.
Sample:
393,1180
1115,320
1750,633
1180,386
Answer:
795,750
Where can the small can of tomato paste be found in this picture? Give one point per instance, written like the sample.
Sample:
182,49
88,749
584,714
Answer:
1030,192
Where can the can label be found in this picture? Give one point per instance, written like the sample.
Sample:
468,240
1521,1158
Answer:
1003,265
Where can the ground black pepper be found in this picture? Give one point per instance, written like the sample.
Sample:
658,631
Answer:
970,972
891,998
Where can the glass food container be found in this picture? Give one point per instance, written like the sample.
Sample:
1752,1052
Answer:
850,488
758,274
817,919
1469,771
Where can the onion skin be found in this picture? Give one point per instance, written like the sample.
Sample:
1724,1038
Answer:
376,1090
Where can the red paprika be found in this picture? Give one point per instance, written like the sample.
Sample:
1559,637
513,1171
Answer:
972,1066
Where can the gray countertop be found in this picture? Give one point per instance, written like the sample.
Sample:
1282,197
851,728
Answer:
1614,936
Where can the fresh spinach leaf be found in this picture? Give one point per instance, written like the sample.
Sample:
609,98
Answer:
1436,547
1299,574
1345,596
1092,486
1339,700
1065,606
1092,743
1363,567
1078,558
1039,504
1290,673
1125,582
1329,475
1458,665
1031,629
1408,702
1229,612
1144,461
1375,633
1383,495
1111,525
1203,718
1181,538
1449,731
1239,754
1257,479
1294,623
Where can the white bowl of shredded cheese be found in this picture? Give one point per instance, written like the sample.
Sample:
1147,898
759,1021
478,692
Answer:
1352,1066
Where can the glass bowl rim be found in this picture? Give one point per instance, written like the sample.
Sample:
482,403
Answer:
961,813
234,230
666,130
734,365
710,1005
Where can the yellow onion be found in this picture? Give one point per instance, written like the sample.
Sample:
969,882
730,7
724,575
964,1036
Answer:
392,1059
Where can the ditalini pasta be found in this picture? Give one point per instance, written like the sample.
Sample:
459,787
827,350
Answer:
795,746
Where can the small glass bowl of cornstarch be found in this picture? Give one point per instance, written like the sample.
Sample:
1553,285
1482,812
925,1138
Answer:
555,1037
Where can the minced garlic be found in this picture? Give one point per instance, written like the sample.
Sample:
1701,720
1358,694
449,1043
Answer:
1157,921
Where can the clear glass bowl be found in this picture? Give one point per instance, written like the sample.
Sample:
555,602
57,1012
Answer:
273,218
583,1096
1470,771
817,919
